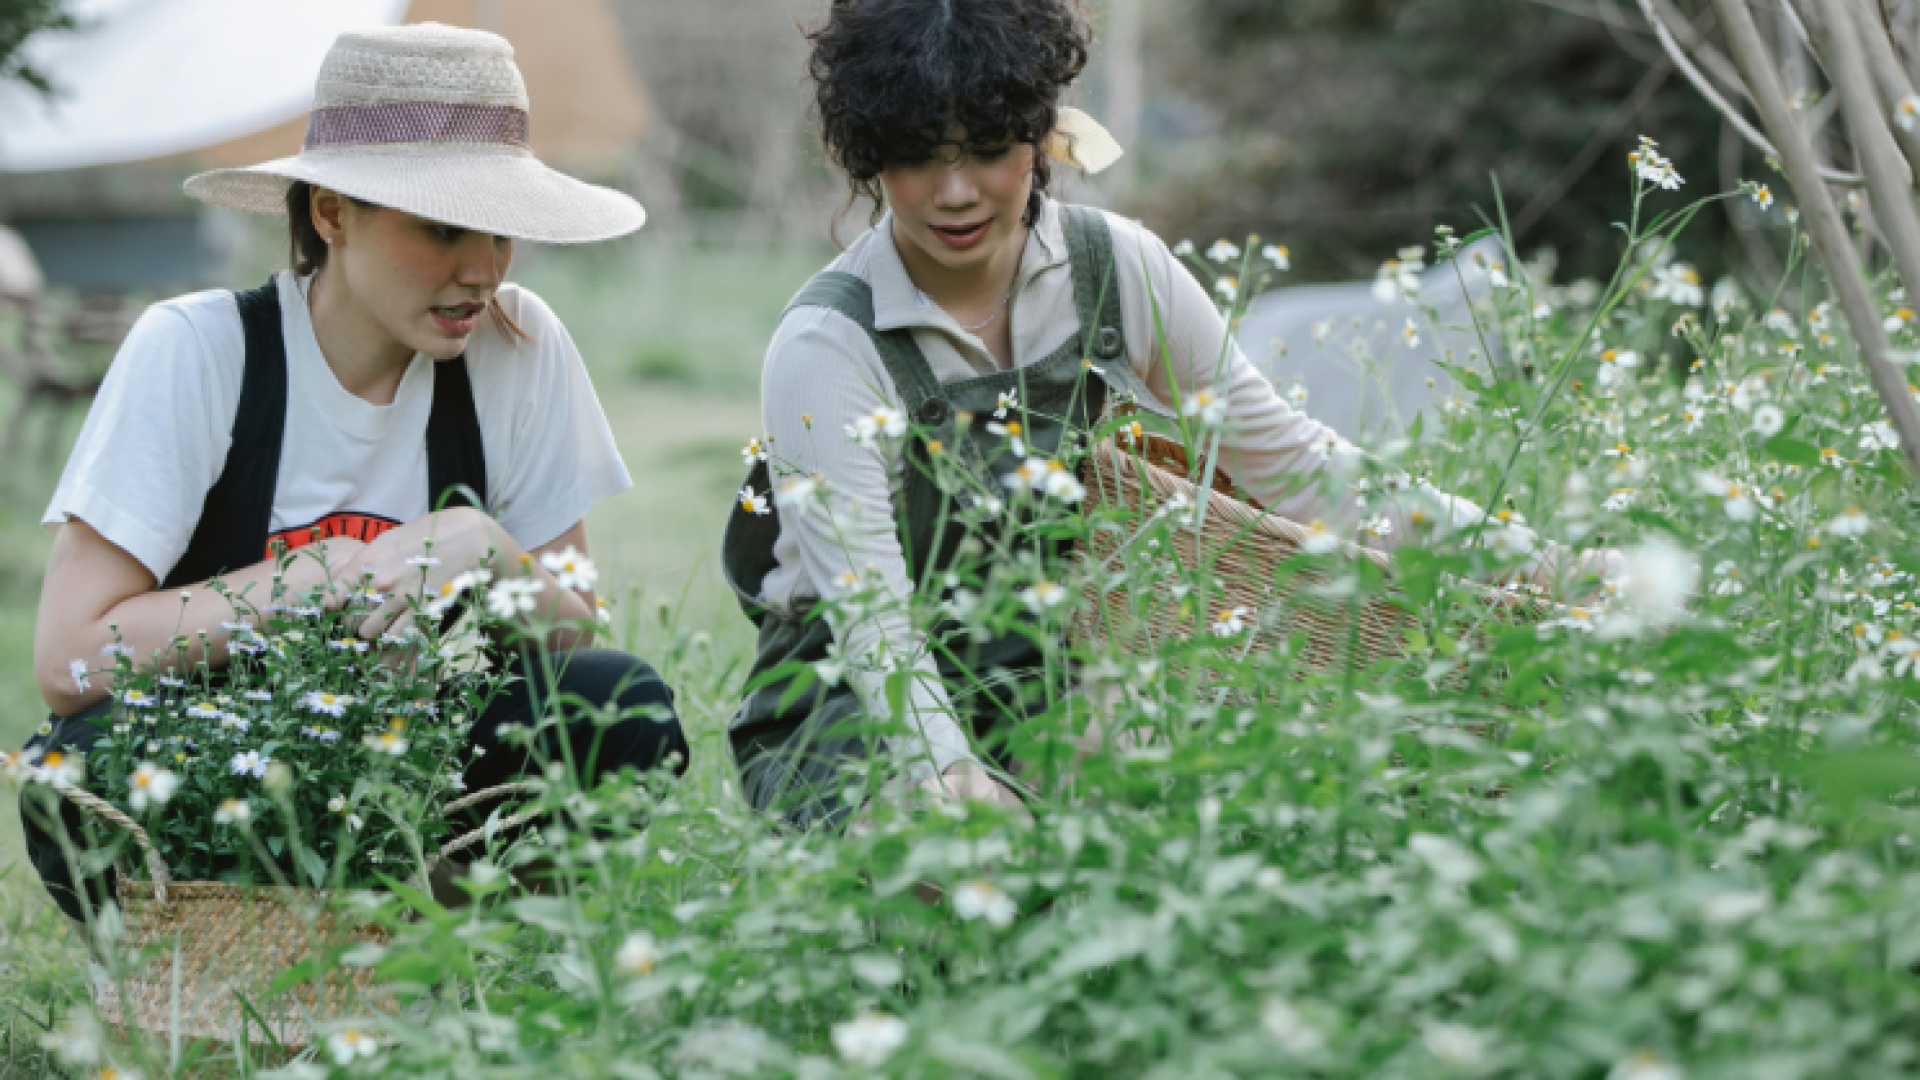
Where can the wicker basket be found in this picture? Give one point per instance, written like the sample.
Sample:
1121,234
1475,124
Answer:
210,945
1243,546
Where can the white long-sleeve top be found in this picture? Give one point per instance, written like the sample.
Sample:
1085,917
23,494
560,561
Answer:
822,366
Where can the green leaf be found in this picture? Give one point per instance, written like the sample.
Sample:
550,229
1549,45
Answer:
1792,451
315,866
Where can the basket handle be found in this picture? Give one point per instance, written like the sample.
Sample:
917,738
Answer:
466,840
106,811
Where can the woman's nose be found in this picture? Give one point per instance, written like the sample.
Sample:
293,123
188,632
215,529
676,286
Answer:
955,187
484,260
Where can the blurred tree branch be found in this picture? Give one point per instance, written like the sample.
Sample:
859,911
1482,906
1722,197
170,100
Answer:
20,20
1845,270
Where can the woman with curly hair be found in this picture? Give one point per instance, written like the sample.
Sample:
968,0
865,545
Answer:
973,291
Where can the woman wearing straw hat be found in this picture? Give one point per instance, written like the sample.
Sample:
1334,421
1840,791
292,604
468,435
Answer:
389,391
975,295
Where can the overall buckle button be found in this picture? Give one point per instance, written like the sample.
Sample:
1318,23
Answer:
931,413
1106,344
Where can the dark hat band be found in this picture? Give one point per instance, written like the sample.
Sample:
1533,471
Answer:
424,121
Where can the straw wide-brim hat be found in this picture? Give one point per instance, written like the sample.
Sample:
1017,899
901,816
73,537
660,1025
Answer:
430,120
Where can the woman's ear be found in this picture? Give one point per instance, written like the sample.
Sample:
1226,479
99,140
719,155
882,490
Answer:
329,209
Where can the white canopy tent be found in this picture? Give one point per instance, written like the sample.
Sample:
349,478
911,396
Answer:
151,78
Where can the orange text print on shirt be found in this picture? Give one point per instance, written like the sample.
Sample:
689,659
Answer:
362,527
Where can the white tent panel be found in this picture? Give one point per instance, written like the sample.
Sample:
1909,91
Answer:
149,78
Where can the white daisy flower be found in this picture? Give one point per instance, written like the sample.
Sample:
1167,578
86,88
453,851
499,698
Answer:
351,1044
753,502
1223,251
138,699
639,954
795,493
1878,435
1231,622
59,770
571,569
1009,399
1320,539
1852,521
78,669
1680,284
1904,652
352,645
204,710
330,704
1412,335
1730,583
870,1039
232,812
1012,431
387,742
1228,288
984,900
1203,404
514,598
116,650
755,450
1768,420
250,763
1183,248
1278,255
881,423
1736,499
1615,365
450,593
150,785
1905,113
1043,595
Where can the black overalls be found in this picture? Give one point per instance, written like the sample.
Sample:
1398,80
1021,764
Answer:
792,753
232,534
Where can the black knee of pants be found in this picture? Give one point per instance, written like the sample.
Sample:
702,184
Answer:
581,684
75,734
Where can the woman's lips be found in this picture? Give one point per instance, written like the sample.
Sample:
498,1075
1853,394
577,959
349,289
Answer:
456,321
962,237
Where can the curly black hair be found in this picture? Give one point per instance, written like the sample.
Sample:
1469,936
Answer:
892,76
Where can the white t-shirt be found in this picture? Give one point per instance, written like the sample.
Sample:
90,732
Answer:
156,438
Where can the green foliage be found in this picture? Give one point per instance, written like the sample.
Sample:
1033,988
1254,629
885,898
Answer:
20,20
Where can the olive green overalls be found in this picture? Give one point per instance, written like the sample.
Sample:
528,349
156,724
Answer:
791,747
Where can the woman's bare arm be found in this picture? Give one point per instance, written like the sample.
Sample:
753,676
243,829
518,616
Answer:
93,586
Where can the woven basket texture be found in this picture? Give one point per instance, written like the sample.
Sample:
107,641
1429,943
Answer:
230,942
1243,547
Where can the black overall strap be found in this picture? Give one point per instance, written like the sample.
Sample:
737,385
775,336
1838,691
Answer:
237,517
238,513
456,455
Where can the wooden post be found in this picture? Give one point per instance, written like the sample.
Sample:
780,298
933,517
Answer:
1824,226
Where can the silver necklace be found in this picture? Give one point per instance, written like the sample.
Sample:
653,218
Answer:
1004,301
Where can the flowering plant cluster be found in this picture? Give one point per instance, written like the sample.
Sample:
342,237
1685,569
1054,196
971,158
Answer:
312,757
